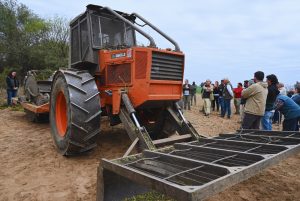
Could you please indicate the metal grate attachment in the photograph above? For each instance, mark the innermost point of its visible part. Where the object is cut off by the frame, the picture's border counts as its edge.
(196, 170)
(239, 146)
(221, 157)
(178, 170)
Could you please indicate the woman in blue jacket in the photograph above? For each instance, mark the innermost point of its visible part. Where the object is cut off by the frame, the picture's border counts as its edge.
(290, 111)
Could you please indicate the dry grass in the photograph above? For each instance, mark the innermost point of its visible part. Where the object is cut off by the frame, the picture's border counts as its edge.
(151, 196)
(3, 100)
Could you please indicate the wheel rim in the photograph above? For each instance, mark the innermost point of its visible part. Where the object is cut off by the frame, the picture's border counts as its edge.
(61, 114)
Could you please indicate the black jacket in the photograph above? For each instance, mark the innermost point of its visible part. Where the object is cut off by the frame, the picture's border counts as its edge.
(221, 90)
(11, 83)
(272, 94)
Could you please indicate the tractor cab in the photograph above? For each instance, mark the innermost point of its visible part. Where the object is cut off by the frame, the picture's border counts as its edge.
(97, 28)
(101, 28)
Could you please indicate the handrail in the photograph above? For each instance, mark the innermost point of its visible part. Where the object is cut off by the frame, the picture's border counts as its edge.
(152, 43)
(177, 49)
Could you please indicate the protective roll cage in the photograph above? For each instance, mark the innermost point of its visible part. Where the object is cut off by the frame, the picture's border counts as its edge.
(130, 21)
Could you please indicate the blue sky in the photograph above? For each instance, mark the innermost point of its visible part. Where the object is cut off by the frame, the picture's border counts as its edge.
(220, 38)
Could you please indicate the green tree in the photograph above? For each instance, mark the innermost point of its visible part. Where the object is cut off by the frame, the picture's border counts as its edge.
(22, 30)
(30, 42)
(56, 42)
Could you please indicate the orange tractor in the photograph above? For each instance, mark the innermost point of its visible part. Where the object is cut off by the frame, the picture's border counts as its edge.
(110, 75)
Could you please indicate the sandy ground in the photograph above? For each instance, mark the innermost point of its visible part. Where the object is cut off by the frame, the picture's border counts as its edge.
(31, 169)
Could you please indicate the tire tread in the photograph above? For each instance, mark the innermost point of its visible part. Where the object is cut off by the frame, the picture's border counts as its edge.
(85, 111)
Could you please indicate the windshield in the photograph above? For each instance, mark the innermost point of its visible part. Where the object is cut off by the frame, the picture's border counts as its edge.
(109, 33)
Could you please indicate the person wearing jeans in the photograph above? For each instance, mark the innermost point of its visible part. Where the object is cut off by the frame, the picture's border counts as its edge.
(227, 108)
(215, 102)
(221, 98)
(227, 95)
(266, 121)
(12, 86)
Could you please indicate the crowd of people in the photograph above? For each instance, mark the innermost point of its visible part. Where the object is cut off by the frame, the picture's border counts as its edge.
(260, 102)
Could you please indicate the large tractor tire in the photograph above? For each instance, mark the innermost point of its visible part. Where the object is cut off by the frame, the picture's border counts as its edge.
(74, 111)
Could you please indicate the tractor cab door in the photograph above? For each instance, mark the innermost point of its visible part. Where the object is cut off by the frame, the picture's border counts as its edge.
(111, 33)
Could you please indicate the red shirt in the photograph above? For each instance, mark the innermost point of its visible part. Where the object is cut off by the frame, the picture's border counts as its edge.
(238, 92)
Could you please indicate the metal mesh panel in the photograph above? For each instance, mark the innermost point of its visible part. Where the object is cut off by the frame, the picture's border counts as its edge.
(75, 45)
(129, 38)
(96, 30)
(118, 74)
(84, 38)
(112, 32)
(140, 65)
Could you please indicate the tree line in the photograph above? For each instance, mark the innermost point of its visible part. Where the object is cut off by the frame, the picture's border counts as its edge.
(28, 41)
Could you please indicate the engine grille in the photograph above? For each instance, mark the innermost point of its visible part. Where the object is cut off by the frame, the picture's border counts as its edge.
(118, 74)
(140, 65)
(166, 66)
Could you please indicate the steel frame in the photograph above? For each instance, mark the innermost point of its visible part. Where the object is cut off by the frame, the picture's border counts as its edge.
(197, 169)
